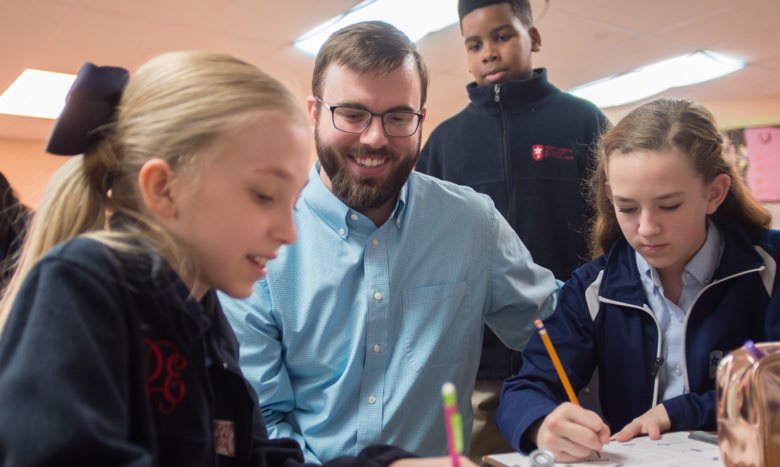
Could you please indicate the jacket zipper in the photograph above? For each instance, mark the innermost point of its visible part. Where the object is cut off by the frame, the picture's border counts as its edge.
(507, 160)
(207, 385)
(686, 386)
(659, 359)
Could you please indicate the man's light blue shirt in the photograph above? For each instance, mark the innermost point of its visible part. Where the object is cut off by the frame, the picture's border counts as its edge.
(670, 316)
(351, 335)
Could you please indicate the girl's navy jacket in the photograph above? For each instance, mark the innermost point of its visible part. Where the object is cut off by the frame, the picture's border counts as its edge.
(107, 360)
(603, 322)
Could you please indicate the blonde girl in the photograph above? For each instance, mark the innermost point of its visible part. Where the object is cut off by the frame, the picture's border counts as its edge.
(115, 350)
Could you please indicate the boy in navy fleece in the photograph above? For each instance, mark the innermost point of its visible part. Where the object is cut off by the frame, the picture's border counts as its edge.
(527, 145)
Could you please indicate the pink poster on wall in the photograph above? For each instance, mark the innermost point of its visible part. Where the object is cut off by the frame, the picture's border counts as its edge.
(763, 171)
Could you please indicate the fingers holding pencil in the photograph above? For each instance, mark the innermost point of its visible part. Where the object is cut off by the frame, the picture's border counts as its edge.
(572, 433)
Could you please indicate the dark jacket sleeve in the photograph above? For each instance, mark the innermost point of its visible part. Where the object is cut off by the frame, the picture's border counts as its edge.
(286, 452)
(692, 411)
(536, 390)
(63, 372)
(429, 161)
(772, 316)
(372, 456)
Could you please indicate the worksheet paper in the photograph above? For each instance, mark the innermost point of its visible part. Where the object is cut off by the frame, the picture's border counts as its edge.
(672, 450)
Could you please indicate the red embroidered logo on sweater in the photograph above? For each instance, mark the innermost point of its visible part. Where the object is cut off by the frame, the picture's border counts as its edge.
(541, 151)
(164, 386)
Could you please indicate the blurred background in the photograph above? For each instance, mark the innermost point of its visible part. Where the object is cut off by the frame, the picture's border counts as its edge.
(582, 41)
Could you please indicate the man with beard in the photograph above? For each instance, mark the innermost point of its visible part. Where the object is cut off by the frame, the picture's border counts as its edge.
(351, 334)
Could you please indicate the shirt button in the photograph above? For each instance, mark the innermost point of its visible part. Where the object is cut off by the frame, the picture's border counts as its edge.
(374, 242)
(225, 365)
(378, 295)
(678, 371)
(354, 216)
(342, 232)
(377, 348)
(398, 222)
(371, 400)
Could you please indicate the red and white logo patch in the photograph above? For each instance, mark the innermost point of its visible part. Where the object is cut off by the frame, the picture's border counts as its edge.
(538, 152)
(542, 151)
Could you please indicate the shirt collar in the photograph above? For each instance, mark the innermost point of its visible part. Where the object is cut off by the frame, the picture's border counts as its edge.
(334, 212)
(701, 267)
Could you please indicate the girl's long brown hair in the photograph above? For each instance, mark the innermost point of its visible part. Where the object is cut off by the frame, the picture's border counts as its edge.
(672, 125)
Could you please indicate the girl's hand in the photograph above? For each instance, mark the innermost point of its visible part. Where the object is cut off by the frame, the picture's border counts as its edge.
(571, 433)
(651, 423)
(432, 462)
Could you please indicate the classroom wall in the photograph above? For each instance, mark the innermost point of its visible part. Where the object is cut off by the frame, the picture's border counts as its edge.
(27, 167)
(774, 208)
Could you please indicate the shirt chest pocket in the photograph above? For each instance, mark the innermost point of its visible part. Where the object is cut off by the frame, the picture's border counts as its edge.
(435, 322)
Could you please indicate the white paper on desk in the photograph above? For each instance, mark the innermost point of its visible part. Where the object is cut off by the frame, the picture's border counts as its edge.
(672, 450)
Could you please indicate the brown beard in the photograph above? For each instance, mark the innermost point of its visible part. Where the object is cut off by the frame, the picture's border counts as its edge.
(364, 193)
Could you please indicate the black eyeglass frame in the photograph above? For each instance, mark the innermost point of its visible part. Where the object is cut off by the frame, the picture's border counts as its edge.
(381, 116)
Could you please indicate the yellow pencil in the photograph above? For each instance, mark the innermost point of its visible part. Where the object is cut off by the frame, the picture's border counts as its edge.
(556, 362)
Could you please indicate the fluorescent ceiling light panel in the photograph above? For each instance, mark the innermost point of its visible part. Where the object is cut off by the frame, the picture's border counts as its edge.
(652, 79)
(36, 93)
(416, 18)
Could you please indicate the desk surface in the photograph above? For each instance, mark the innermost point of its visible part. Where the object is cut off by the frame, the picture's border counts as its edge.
(672, 450)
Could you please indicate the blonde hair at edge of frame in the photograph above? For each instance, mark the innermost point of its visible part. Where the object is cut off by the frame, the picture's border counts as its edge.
(175, 108)
(672, 125)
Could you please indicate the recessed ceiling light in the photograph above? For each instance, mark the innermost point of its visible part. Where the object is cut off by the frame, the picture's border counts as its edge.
(652, 79)
(416, 18)
(36, 93)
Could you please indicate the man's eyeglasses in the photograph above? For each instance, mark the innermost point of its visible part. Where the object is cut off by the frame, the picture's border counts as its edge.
(353, 120)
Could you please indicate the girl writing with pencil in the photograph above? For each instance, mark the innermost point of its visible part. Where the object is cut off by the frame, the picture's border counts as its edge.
(115, 351)
(685, 272)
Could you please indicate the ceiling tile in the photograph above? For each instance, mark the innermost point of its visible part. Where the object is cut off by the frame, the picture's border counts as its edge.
(162, 38)
(26, 26)
(276, 22)
(193, 13)
(110, 39)
(650, 16)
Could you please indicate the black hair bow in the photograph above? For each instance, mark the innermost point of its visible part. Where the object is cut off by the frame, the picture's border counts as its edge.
(90, 104)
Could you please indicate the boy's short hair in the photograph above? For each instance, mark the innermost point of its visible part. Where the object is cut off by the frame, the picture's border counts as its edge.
(521, 8)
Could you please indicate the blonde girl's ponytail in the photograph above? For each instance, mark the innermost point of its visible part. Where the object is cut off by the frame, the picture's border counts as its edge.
(176, 108)
(75, 200)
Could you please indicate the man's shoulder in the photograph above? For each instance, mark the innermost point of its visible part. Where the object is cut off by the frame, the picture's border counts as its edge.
(428, 189)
